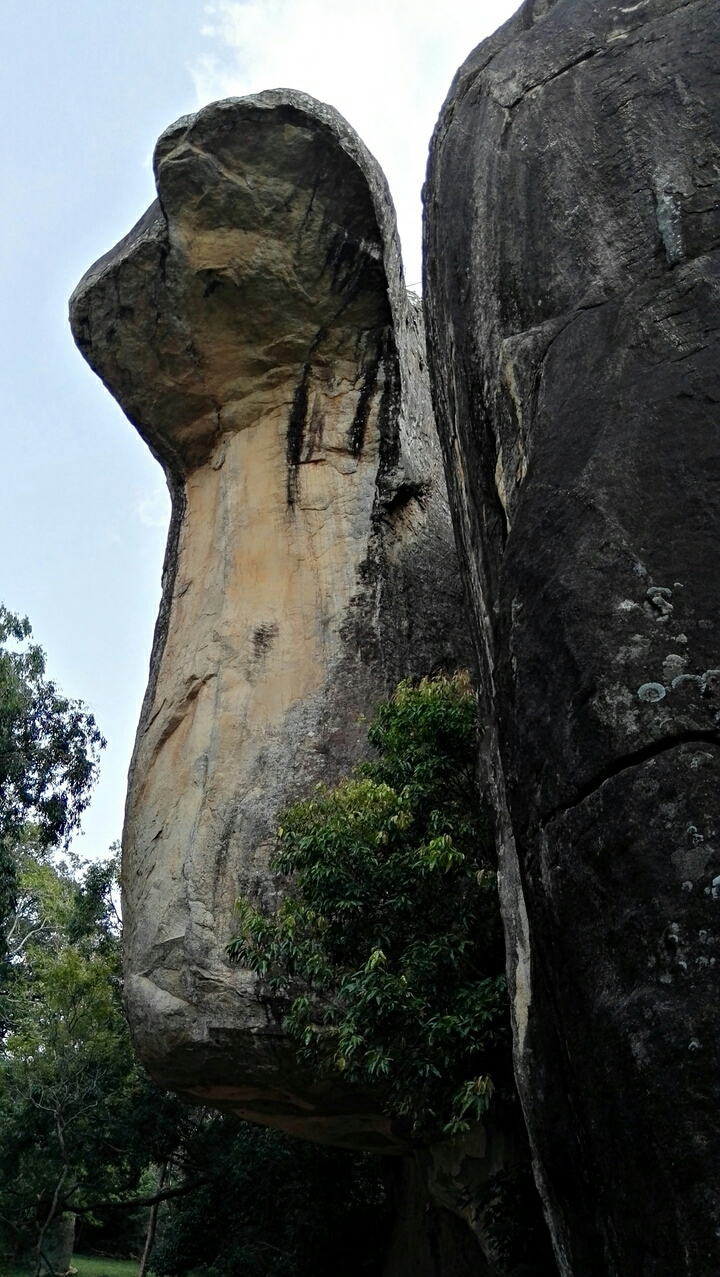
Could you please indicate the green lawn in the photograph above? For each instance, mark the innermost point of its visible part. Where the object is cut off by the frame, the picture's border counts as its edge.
(88, 1266)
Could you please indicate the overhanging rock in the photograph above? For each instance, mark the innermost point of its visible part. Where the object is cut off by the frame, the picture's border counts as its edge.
(256, 329)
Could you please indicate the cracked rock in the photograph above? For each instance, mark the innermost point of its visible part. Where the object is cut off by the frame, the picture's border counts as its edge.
(572, 298)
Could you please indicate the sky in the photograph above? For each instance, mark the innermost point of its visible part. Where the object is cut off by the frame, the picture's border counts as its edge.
(88, 87)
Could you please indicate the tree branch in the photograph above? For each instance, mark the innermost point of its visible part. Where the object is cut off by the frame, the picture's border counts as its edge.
(28, 936)
(136, 1202)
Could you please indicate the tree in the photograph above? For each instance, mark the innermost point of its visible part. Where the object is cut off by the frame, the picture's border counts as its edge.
(275, 1206)
(83, 1129)
(80, 1121)
(70, 1090)
(387, 948)
(387, 953)
(49, 749)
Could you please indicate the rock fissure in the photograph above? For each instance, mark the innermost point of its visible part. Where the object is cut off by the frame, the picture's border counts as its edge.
(627, 761)
(296, 434)
(356, 436)
(542, 83)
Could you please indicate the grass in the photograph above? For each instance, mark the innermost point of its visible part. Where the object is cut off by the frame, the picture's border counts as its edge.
(87, 1266)
(96, 1266)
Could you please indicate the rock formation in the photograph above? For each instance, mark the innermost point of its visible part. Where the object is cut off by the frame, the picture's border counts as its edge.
(256, 329)
(572, 300)
(429, 1240)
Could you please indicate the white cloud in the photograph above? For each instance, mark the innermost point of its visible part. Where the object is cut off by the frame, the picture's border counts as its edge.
(152, 509)
(386, 65)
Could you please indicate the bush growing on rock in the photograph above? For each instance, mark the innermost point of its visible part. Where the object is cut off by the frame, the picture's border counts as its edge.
(387, 950)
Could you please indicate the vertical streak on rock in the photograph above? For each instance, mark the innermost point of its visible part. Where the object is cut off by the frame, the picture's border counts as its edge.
(296, 434)
(356, 435)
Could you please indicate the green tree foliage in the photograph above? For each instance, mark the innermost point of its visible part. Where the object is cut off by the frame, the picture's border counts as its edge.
(275, 1206)
(72, 1097)
(83, 1129)
(49, 749)
(388, 945)
(79, 1119)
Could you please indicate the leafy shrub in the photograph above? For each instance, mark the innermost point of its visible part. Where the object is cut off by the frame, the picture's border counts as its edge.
(80, 1121)
(387, 948)
(49, 751)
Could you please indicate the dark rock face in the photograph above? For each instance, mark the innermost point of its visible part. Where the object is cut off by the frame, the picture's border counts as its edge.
(573, 304)
(428, 1239)
(256, 329)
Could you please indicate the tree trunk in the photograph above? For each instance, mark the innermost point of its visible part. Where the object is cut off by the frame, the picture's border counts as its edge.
(42, 1260)
(56, 1248)
(152, 1226)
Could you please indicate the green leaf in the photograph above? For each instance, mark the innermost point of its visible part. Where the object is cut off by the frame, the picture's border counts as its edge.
(390, 918)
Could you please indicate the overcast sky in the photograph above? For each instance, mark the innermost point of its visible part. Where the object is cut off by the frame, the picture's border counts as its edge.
(89, 85)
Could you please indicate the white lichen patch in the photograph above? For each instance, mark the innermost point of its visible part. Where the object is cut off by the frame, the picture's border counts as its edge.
(616, 706)
(637, 649)
(673, 665)
(651, 692)
(690, 862)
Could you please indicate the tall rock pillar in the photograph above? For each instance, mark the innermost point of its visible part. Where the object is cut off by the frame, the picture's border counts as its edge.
(256, 329)
(572, 300)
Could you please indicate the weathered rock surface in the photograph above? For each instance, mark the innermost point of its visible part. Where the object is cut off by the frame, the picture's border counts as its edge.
(429, 1240)
(256, 329)
(573, 303)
